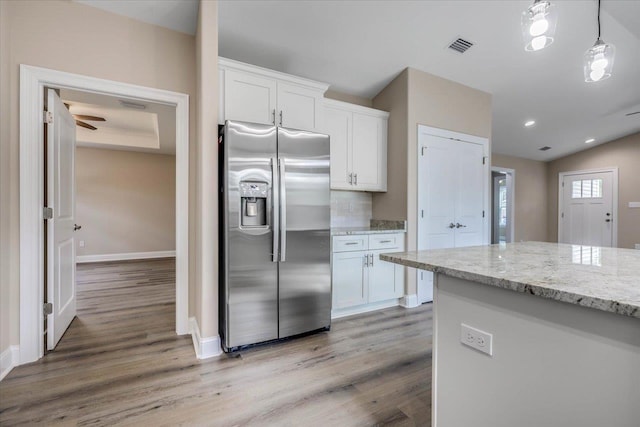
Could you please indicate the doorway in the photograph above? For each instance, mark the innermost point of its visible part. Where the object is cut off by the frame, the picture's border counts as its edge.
(587, 207)
(453, 196)
(502, 203)
(33, 81)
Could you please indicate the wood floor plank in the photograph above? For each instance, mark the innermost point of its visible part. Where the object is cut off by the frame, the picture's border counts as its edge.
(120, 363)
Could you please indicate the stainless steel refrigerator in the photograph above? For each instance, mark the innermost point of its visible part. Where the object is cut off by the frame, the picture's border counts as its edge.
(275, 279)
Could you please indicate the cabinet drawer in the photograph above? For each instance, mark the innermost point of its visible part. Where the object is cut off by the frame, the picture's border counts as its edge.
(386, 241)
(350, 243)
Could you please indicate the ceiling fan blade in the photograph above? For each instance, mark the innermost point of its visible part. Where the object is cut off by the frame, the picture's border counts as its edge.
(66, 105)
(85, 125)
(90, 118)
(631, 114)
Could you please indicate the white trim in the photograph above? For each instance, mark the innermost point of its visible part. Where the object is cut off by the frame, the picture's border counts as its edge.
(8, 360)
(124, 256)
(204, 347)
(410, 301)
(511, 190)
(614, 202)
(226, 63)
(365, 308)
(32, 83)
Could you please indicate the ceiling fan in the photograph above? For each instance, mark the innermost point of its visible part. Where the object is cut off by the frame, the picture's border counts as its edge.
(80, 117)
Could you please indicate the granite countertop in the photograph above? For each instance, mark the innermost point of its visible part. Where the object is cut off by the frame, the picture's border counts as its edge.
(606, 279)
(376, 226)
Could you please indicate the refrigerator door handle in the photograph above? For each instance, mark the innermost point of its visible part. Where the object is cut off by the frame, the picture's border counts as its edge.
(275, 209)
(283, 211)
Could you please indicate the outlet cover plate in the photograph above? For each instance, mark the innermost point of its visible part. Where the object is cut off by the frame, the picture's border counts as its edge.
(476, 339)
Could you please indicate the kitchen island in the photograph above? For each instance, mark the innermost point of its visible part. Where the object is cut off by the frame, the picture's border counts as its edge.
(534, 334)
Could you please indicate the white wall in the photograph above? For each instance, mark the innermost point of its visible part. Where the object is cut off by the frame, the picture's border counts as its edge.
(554, 364)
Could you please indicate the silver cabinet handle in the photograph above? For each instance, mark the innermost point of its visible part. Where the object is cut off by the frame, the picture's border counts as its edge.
(371, 260)
(458, 225)
(366, 260)
(280, 117)
(275, 205)
(355, 179)
(351, 243)
(385, 241)
(274, 116)
(283, 210)
(452, 225)
(351, 179)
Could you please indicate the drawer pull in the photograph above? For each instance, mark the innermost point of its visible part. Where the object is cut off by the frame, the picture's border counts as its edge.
(385, 241)
(351, 243)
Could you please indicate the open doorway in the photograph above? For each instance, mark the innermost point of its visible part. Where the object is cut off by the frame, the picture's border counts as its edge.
(502, 196)
(33, 84)
(123, 209)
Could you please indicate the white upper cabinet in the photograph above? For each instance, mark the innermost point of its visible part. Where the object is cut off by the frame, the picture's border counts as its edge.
(254, 94)
(358, 146)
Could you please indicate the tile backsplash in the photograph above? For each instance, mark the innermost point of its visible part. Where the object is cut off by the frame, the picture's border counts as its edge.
(350, 209)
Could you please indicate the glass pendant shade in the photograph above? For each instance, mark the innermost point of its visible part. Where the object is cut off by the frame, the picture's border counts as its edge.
(538, 25)
(598, 62)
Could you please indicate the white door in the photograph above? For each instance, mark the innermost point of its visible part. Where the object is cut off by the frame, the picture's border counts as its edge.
(587, 214)
(366, 151)
(61, 253)
(452, 192)
(298, 107)
(337, 124)
(249, 98)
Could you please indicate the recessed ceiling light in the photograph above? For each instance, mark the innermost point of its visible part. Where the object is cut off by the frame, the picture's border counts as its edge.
(529, 123)
(589, 141)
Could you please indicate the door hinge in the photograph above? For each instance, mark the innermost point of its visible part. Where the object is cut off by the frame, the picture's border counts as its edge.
(482, 214)
(47, 308)
(562, 215)
(422, 213)
(422, 151)
(48, 117)
(563, 183)
(47, 213)
(484, 159)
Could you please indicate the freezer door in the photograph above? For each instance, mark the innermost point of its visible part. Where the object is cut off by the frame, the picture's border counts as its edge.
(304, 270)
(251, 311)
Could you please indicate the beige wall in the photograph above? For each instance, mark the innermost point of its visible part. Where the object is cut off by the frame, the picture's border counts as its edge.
(623, 153)
(394, 98)
(418, 98)
(206, 309)
(345, 97)
(530, 196)
(73, 37)
(125, 201)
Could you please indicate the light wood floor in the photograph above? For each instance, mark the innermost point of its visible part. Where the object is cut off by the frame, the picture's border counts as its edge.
(120, 362)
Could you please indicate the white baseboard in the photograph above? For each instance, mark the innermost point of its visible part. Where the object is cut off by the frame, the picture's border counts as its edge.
(8, 360)
(410, 301)
(359, 309)
(204, 347)
(125, 256)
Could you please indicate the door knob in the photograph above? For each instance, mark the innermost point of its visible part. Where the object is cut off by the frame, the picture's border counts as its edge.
(458, 225)
(76, 227)
(452, 225)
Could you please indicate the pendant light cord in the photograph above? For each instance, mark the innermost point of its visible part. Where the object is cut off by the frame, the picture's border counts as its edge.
(598, 19)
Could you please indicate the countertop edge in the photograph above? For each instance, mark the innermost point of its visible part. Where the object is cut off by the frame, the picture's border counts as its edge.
(360, 232)
(610, 306)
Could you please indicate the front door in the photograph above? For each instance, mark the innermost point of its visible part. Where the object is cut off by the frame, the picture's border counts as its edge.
(587, 214)
(61, 253)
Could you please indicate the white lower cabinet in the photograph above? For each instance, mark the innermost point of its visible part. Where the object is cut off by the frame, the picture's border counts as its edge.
(361, 281)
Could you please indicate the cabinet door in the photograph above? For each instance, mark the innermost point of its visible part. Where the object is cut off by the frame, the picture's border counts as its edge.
(298, 107)
(337, 124)
(349, 279)
(382, 279)
(368, 152)
(249, 97)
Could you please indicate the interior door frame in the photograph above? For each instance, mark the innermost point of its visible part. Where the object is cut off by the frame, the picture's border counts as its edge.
(33, 81)
(457, 136)
(511, 196)
(614, 202)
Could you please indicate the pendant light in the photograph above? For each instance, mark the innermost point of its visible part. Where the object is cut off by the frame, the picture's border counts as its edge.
(539, 25)
(598, 61)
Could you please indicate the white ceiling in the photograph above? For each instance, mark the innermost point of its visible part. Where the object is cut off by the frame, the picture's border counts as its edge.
(152, 130)
(360, 46)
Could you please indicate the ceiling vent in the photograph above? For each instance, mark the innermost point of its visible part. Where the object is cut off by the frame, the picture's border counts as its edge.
(460, 45)
(545, 148)
(131, 104)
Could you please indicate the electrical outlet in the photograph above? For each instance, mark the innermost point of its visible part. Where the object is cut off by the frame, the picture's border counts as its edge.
(475, 338)
(81, 244)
